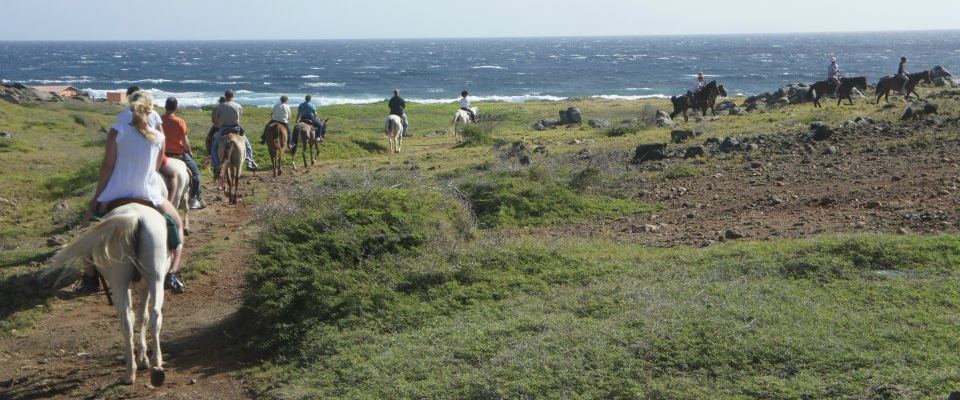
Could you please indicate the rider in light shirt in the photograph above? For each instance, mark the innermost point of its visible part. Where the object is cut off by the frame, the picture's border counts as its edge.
(833, 75)
(465, 105)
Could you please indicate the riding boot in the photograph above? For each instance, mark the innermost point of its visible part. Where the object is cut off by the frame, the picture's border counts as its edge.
(88, 284)
(174, 283)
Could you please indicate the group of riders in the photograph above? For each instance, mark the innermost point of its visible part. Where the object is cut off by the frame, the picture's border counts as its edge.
(834, 78)
(136, 169)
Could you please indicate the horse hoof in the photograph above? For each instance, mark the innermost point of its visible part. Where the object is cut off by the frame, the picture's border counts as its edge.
(157, 377)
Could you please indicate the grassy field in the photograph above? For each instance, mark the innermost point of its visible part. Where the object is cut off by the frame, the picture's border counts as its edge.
(417, 275)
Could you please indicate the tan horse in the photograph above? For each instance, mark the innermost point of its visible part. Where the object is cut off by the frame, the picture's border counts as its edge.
(310, 140)
(276, 136)
(179, 193)
(232, 153)
(890, 83)
(129, 240)
(394, 132)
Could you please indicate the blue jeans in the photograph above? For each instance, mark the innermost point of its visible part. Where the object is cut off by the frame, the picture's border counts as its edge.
(194, 173)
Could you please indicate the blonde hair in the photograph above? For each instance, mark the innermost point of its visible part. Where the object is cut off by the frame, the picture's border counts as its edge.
(141, 105)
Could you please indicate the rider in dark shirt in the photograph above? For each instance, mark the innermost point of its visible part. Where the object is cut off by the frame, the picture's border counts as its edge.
(398, 107)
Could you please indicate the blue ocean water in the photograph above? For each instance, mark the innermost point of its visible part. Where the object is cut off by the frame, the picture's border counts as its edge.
(364, 71)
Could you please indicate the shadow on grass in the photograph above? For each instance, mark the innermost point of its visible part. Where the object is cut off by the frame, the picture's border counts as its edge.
(370, 146)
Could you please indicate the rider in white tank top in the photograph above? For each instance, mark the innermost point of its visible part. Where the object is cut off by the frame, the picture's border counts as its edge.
(135, 173)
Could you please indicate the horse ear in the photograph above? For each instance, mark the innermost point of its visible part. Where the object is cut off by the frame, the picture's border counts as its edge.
(325, 121)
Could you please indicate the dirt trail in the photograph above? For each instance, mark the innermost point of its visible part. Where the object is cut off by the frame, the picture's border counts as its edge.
(74, 350)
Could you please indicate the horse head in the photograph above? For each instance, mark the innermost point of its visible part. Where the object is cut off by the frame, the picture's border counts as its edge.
(723, 91)
(322, 132)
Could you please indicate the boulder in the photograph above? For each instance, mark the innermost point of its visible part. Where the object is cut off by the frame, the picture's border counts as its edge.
(6, 135)
(545, 124)
(599, 123)
(682, 136)
(735, 111)
(695, 152)
(571, 116)
(729, 144)
(907, 114)
(664, 120)
(942, 77)
(726, 105)
(931, 109)
(538, 126)
(822, 132)
(574, 116)
(712, 141)
(650, 152)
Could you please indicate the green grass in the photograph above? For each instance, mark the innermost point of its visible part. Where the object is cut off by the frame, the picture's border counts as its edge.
(534, 197)
(355, 302)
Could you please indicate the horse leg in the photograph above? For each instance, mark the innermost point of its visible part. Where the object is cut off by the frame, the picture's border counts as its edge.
(315, 153)
(140, 351)
(121, 300)
(157, 376)
(399, 141)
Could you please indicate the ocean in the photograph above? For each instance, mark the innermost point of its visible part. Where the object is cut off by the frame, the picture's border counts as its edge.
(436, 70)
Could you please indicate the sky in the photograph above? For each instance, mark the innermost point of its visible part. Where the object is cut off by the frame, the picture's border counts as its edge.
(358, 19)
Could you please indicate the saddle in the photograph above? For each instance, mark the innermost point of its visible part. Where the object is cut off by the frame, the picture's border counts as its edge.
(173, 235)
(238, 130)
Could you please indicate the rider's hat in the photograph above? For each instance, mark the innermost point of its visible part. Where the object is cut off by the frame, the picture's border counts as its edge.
(834, 59)
(903, 59)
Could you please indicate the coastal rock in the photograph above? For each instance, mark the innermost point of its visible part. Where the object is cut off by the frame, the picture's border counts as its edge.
(695, 152)
(571, 116)
(682, 136)
(664, 120)
(942, 77)
(726, 105)
(6, 135)
(908, 114)
(729, 144)
(17, 93)
(650, 152)
(735, 111)
(598, 123)
(538, 126)
(821, 131)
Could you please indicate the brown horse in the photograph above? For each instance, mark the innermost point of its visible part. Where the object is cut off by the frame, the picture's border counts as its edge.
(276, 136)
(889, 83)
(820, 89)
(310, 140)
(705, 99)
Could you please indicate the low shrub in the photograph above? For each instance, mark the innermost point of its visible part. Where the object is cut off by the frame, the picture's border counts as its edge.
(534, 197)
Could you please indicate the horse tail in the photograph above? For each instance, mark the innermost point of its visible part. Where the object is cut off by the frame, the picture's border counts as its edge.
(109, 241)
(226, 161)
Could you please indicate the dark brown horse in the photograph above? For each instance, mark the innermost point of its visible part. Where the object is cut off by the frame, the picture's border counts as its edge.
(820, 89)
(703, 100)
(889, 83)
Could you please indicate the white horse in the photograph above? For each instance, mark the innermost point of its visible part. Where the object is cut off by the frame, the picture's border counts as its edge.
(181, 197)
(394, 132)
(462, 118)
(129, 240)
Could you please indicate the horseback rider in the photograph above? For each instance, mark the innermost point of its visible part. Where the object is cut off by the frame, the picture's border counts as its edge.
(465, 105)
(227, 115)
(398, 107)
(833, 75)
(178, 146)
(129, 173)
(307, 112)
(691, 94)
(902, 73)
(281, 113)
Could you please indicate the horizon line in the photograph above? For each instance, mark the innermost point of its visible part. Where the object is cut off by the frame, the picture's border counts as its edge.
(496, 37)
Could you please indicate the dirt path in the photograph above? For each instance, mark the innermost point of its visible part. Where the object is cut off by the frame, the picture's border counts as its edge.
(74, 350)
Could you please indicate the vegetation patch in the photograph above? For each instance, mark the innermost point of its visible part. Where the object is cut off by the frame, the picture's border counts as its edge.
(534, 197)
(76, 183)
(480, 134)
(595, 319)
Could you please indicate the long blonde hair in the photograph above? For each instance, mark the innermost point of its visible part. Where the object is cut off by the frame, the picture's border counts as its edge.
(141, 105)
